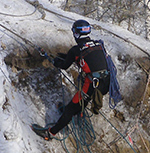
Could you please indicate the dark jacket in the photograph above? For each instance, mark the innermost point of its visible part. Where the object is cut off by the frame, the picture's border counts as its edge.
(94, 60)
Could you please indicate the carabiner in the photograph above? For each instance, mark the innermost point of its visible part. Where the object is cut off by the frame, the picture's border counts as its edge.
(82, 63)
(95, 82)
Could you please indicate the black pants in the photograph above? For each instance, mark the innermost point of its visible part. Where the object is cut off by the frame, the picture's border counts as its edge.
(74, 107)
(70, 110)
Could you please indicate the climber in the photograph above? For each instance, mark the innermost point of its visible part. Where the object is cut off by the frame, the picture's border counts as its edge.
(89, 57)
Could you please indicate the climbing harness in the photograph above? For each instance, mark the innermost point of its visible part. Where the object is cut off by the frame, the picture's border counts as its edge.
(95, 82)
(83, 132)
(95, 76)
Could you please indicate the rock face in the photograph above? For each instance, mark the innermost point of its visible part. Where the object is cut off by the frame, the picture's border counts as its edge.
(123, 118)
(31, 87)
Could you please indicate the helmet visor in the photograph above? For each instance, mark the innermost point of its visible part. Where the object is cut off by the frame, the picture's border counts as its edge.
(84, 29)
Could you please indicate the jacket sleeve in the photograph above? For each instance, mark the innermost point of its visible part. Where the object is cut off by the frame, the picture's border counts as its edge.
(66, 63)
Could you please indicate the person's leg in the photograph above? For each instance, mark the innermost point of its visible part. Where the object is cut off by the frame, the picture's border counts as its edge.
(70, 110)
(73, 107)
(87, 89)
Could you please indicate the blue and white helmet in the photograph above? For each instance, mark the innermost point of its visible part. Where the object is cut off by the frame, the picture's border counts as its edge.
(81, 27)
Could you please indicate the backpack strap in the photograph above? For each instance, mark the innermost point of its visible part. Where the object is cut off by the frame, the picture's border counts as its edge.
(88, 47)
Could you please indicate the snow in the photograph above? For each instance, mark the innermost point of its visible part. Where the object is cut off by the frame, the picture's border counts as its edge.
(17, 109)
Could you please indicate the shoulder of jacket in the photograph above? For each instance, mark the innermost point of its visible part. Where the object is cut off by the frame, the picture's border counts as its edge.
(74, 50)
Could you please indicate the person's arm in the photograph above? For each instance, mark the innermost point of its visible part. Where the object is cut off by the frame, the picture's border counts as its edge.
(65, 63)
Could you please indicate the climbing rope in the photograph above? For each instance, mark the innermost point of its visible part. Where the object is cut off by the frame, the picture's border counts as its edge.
(21, 44)
(117, 131)
(79, 140)
(93, 25)
(80, 129)
(139, 114)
